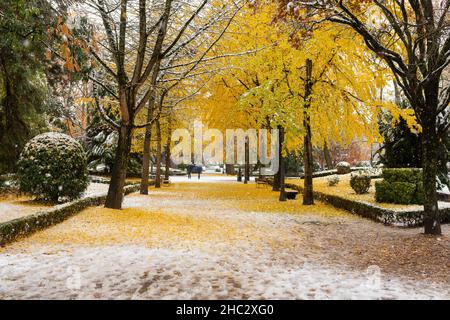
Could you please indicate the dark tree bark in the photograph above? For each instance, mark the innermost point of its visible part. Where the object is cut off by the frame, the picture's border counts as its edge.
(276, 181)
(431, 217)
(168, 152)
(277, 177)
(430, 140)
(127, 87)
(158, 154)
(282, 166)
(308, 196)
(147, 145)
(247, 162)
(115, 192)
(327, 156)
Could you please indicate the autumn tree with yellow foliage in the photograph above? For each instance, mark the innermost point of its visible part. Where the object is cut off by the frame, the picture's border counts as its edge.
(412, 39)
(320, 87)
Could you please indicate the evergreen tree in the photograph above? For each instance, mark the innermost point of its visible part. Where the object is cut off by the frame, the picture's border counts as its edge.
(403, 149)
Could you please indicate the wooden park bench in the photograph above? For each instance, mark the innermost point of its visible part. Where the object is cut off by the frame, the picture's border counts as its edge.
(261, 181)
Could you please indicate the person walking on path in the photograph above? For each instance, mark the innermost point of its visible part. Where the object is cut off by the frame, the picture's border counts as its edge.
(189, 171)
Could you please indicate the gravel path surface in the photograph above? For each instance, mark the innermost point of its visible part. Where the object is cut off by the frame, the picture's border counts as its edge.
(224, 240)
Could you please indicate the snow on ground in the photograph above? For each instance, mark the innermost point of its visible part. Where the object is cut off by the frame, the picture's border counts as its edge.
(134, 272)
(224, 240)
(14, 207)
(96, 188)
(445, 190)
(204, 178)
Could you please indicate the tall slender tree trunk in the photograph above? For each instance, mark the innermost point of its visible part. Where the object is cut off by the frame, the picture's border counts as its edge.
(168, 151)
(158, 153)
(327, 156)
(429, 160)
(282, 166)
(277, 178)
(147, 144)
(115, 195)
(247, 161)
(308, 196)
(431, 214)
(276, 181)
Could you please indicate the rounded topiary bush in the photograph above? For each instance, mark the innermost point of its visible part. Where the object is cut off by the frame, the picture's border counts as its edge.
(333, 180)
(343, 168)
(360, 182)
(53, 165)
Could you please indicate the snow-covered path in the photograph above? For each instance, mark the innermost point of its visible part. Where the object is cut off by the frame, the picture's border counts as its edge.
(228, 241)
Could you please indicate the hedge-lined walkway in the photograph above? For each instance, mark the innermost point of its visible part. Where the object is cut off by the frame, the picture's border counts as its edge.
(344, 197)
(224, 240)
(343, 189)
(17, 206)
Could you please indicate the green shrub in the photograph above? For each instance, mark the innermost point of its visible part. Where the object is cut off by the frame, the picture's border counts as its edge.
(402, 175)
(383, 192)
(343, 168)
(333, 180)
(396, 192)
(360, 182)
(400, 186)
(419, 196)
(134, 169)
(53, 165)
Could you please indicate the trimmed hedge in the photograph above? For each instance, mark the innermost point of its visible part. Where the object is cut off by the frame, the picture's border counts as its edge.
(327, 173)
(400, 186)
(402, 175)
(388, 217)
(396, 192)
(365, 210)
(14, 229)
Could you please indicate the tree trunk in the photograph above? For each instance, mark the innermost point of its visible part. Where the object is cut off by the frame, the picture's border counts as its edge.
(247, 162)
(429, 163)
(158, 154)
(327, 156)
(308, 196)
(147, 144)
(282, 166)
(229, 169)
(168, 153)
(276, 181)
(114, 198)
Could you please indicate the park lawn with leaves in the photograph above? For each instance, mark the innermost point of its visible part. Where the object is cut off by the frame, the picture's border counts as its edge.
(248, 198)
(344, 190)
(14, 205)
(225, 240)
